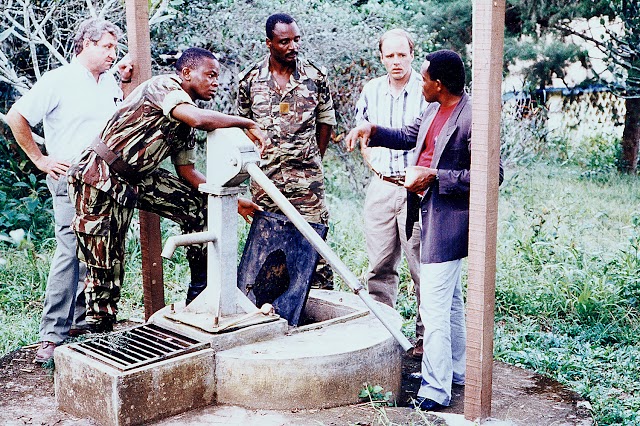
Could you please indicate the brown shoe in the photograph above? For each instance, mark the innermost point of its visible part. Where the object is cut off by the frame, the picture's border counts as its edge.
(45, 352)
(418, 350)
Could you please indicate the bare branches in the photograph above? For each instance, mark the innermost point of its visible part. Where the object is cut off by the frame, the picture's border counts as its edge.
(25, 23)
(91, 9)
(39, 38)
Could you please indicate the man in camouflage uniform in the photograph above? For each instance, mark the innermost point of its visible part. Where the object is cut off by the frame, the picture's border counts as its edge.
(290, 100)
(119, 172)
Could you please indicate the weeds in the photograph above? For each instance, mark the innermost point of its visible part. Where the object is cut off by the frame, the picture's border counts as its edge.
(376, 396)
(379, 401)
(24, 198)
(567, 285)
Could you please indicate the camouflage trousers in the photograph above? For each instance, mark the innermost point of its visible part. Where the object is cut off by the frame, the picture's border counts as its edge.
(305, 190)
(101, 225)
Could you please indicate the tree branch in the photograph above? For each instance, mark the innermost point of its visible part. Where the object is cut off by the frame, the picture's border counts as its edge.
(44, 41)
(92, 10)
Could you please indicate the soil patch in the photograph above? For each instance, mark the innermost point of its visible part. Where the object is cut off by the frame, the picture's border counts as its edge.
(519, 396)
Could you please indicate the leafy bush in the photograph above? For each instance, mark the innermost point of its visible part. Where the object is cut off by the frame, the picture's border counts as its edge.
(25, 201)
(600, 156)
(526, 139)
(523, 132)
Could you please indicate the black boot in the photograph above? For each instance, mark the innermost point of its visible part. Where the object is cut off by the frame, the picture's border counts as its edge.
(198, 265)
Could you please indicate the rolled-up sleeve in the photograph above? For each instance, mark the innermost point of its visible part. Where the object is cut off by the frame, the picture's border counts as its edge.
(325, 113)
(173, 99)
(184, 158)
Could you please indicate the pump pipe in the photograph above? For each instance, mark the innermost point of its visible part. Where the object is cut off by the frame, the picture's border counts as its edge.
(185, 240)
(323, 248)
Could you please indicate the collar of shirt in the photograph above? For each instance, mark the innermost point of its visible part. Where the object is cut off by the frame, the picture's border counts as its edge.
(414, 78)
(299, 75)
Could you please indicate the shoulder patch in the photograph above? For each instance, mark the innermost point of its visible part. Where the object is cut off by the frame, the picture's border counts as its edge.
(245, 72)
(320, 70)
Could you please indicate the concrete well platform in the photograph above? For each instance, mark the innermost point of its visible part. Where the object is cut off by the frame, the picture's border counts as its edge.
(320, 365)
(265, 366)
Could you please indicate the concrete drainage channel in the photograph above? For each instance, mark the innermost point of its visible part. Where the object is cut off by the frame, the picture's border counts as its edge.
(165, 368)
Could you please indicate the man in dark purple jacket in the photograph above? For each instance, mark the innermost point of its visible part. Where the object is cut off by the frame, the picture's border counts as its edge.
(440, 177)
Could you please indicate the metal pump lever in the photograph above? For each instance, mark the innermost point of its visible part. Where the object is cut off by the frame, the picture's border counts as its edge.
(323, 248)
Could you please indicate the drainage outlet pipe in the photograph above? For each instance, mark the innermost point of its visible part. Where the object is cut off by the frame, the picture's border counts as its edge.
(186, 240)
(323, 248)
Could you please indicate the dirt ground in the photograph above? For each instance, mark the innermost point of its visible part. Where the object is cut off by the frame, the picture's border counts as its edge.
(520, 397)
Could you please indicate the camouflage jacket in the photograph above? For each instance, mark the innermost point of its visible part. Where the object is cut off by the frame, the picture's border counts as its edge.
(143, 133)
(288, 116)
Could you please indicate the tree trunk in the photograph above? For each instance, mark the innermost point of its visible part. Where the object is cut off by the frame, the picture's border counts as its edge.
(631, 136)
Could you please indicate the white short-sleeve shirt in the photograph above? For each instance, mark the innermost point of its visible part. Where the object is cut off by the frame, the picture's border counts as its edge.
(73, 107)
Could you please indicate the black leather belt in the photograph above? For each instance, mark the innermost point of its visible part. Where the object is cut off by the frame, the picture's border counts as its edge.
(116, 164)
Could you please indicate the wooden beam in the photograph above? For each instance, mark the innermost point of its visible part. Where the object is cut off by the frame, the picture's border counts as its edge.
(488, 45)
(150, 241)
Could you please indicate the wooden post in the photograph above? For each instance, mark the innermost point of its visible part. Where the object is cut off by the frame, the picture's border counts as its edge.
(488, 45)
(150, 241)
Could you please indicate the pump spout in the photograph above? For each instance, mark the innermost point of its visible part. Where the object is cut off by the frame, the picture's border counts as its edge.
(185, 240)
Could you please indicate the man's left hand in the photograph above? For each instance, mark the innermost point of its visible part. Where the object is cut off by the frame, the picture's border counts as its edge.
(125, 68)
(247, 208)
(418, 178)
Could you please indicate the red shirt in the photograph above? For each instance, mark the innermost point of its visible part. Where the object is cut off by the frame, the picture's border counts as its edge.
(437, 124)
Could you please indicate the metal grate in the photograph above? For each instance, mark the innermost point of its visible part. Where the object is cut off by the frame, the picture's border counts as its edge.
(138, 346)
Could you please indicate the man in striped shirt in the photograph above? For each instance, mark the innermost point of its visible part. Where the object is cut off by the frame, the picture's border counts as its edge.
(393, 100)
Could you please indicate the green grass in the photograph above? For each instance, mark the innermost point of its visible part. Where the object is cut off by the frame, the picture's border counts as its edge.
(568, 284)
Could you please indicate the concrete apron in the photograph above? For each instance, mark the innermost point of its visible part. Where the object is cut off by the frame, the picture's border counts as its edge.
(263, 366)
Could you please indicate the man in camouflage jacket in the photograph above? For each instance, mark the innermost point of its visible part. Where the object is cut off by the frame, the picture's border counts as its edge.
(290, 100)
(119, 172)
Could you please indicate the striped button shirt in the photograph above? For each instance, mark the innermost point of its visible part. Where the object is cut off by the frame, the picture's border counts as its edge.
(378, 106)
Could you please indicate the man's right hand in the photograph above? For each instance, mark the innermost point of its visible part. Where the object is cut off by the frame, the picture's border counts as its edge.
(51, 166)
(22, 132)
(418, 178)
(359, 136)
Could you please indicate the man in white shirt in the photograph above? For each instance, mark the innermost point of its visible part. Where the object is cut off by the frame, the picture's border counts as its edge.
(393, 100)
(74, 103)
